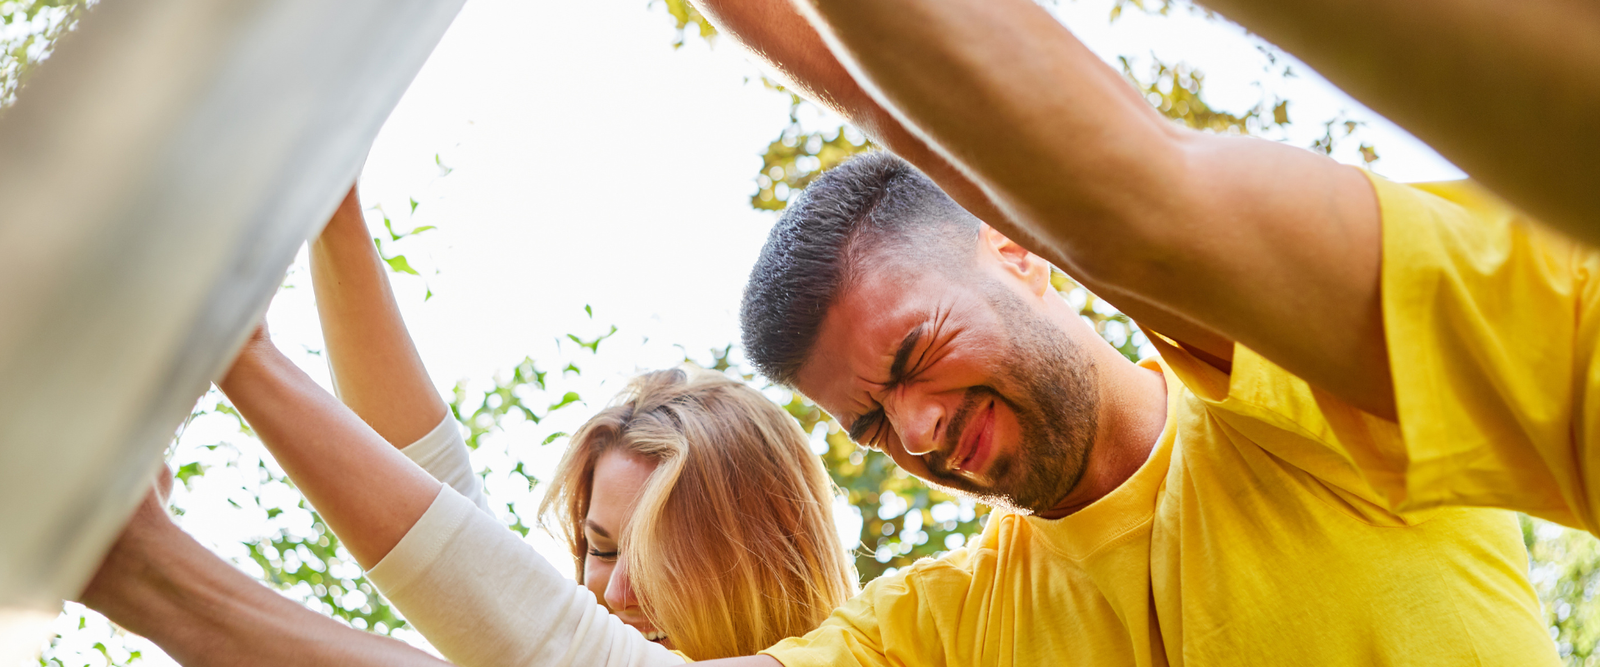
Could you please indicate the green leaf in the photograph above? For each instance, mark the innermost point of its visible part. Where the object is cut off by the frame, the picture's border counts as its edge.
(570, 398)
(188, 470)
(398, 264)
(413, 204)
(553, 436)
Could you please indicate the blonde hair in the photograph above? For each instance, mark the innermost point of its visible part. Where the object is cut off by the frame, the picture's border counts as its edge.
(732, 545)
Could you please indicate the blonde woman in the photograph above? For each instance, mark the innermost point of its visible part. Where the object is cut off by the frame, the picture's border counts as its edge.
(696, 513)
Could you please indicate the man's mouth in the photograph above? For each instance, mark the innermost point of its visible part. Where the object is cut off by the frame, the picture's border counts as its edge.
(972, 454)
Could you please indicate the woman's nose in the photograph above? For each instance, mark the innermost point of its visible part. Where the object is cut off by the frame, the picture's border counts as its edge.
(619, 591)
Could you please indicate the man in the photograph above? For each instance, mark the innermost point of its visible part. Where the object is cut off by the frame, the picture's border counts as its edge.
(1456, 315)
(1168, 512)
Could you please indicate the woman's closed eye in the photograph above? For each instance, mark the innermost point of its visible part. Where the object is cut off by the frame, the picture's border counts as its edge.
(602, 555)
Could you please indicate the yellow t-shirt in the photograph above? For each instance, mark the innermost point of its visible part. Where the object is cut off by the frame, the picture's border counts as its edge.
(1251, 536)
(1492, 324)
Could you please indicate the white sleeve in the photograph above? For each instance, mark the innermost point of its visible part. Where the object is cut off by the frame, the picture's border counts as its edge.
(444, 454)
(484, 598)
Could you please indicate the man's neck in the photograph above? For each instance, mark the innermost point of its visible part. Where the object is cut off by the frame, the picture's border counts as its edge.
(1132, 413)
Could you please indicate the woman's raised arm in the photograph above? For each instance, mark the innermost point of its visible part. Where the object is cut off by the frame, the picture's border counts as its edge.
(376, 368)
(369, 493)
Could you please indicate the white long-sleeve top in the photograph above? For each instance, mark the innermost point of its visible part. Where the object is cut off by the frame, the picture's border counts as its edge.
(482, 596)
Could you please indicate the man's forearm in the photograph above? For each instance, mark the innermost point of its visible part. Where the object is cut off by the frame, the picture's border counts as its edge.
(1022, 108)
(163, 585)
(1271, 246)
(1506, 90)
(775, 32)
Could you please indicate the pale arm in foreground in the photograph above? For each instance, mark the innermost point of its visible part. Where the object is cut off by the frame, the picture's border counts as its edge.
(160, 583)
(1269, 245)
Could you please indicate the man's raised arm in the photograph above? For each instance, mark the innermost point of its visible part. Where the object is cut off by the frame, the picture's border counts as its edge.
(1506, 90)
(1269, 245)
(792, 49)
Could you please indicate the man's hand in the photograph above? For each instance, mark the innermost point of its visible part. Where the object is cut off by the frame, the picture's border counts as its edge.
(150, 527)
(160, 583)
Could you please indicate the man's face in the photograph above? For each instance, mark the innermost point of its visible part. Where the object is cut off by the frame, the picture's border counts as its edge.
(962, 377)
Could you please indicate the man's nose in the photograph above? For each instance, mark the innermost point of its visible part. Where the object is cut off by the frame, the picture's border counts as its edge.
(619, 590)
(917, 417)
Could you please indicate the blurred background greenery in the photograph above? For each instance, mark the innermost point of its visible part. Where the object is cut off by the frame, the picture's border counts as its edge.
(901, 519)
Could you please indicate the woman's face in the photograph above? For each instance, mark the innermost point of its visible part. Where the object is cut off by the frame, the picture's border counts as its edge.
(618, 479)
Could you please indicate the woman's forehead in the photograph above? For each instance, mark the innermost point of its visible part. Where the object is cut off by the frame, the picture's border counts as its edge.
(619, 477)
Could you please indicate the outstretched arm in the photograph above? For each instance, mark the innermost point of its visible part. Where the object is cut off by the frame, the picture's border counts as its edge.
(160, 583)
(793, 50)
(369, 493)
(1506, 90)
(1269, 245)
(376, 368)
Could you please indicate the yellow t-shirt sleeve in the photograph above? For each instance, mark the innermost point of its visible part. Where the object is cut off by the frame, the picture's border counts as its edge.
(1491, 328)
(1358, 457)
(1490, 322)
(912, 617)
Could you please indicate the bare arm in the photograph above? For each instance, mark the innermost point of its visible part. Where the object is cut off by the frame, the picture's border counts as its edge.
(1266, 244)
(376, 368)
(775, 32)
(160, 583)
(1506, 90)
(369, 493)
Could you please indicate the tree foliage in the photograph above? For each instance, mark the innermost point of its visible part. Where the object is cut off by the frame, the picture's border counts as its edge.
(28, 32)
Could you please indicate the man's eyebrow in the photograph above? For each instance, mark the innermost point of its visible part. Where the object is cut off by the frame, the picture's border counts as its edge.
(858, 428)
(597, 529)
(897, 370)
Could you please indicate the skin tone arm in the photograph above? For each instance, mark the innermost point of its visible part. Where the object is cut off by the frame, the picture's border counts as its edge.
(160, 583)
(792, 49)
(376, 368)
(1506, 90)
(1269, 245)
(369, 493)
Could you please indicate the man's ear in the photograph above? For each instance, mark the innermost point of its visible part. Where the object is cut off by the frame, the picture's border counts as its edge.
(1015, 260)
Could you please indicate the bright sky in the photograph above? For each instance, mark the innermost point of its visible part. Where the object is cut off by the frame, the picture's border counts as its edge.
(595, 165)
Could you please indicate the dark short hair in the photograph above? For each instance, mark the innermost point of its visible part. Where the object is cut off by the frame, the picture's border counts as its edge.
(868, 205)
